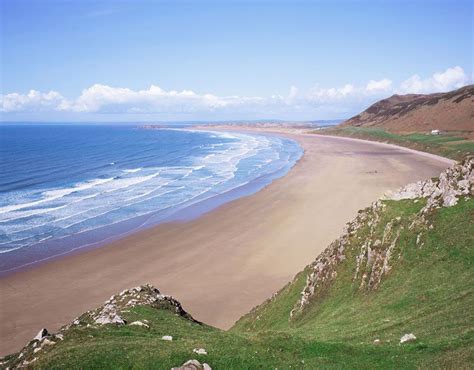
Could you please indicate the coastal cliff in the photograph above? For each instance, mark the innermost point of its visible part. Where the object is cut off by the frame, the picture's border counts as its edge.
(394, 290)
(375, 240)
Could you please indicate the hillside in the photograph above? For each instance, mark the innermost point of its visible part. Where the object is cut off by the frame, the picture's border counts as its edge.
(451, 111)
(395, 290)
(407, 120)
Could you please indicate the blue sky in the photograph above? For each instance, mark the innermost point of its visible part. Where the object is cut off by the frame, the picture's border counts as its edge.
(200, 60)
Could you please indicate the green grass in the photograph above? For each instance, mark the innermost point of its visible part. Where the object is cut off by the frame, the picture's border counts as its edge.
(122, 347)
(452, 145)
(429, 292)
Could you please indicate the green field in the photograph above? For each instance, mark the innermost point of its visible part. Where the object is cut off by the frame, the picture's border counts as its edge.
(428, 292)
(452, 145)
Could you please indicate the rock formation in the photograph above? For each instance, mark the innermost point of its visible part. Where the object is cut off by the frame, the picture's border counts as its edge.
(374, 255)
(108, 314)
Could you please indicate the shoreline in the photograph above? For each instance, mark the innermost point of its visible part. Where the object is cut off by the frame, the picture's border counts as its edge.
(228, 260)
(190, 212)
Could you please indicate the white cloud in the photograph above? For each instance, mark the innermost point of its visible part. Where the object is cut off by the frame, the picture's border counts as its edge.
(349, 91)
(378, 86)
(333, 93)
(452, 78)
(103, 98)
(107, 99)
(32, 101)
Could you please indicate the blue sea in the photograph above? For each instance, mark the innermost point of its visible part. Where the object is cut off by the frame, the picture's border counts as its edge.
(67, 187)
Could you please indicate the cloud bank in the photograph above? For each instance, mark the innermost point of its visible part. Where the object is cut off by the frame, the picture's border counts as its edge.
(106, 99)
(452, 78)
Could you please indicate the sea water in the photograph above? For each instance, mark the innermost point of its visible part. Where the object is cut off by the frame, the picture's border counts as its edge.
(66, 187)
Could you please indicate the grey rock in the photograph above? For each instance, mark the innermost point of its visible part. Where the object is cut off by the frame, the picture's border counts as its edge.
(43, 333)
(193, 365)
(110, 319)
(139, 323)
(407, 338)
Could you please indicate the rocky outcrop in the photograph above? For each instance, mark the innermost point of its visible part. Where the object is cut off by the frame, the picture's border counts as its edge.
(375, 250)
(111, 313)
(373, 261)
(193, 365)
(146, 295)
(323, 270)
(445, 191)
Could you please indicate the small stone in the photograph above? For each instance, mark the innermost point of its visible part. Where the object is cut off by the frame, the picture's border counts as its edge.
(377, 341)
(167, 337)
(200, 351)
(139, 323)
(407, 338)
(41, 334)
(47, 342)
(193, 365)
(25, 363)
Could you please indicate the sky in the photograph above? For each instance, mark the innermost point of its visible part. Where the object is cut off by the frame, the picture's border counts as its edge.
(225, 60)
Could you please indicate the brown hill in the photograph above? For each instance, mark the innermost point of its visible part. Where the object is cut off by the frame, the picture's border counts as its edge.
(451, 111)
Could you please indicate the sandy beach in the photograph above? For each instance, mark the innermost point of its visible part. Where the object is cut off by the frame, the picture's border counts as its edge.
(227, 261)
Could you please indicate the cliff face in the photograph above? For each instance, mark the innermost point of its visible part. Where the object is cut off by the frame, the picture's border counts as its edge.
(452, 111)
(371, 241)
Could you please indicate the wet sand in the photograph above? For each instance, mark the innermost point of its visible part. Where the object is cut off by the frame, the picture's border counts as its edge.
(227, 261)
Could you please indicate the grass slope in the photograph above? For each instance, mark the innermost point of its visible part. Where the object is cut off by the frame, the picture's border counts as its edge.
(428, 292)
(453, 145)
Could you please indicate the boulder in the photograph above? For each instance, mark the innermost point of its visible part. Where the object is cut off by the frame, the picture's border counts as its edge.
(41, 334)
(167, 337)
(193, 365)
(115, 319)
(407, 338)
(200, 351)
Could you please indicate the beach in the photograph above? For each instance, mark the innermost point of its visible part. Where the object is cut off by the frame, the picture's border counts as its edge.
(225, 262)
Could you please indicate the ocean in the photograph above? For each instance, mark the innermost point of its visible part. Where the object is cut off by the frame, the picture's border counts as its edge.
(68, 187)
